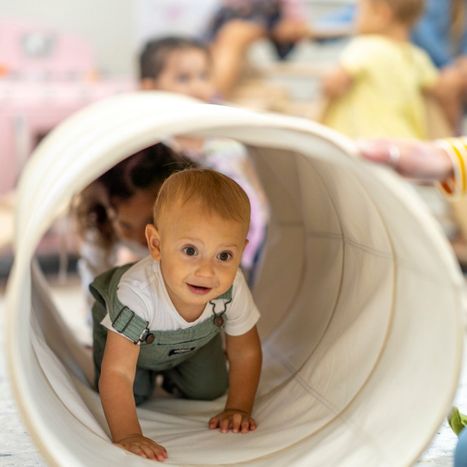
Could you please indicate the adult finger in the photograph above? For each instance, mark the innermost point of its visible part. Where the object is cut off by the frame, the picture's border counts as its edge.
(375, 150)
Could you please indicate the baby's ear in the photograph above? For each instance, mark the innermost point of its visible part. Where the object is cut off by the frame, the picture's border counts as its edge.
(153, 240)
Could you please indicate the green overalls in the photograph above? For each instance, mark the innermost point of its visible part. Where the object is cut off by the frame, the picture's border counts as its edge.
(191, 359)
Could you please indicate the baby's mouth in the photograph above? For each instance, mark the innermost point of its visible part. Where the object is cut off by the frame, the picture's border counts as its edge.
(199, 289)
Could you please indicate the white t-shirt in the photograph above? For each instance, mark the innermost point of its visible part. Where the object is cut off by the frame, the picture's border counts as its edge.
(142, 290)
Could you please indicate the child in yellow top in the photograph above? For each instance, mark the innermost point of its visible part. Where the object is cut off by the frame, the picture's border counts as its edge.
(163, 314)
(378, 88)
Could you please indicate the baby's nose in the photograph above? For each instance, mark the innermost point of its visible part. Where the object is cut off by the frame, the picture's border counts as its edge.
(205, 269)
(202, 91)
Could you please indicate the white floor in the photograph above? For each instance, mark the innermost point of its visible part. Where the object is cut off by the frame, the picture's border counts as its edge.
(17, 448)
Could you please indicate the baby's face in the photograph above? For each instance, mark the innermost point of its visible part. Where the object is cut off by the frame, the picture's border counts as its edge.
(199, 255)
(187, 72)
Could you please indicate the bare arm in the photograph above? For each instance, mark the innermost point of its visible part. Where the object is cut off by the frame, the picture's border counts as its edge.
(116, 392)
(336, 83)
(447, 92)
(245, 357)
(447, 84)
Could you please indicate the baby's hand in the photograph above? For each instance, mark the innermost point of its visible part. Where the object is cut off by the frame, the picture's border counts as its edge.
(234, 420)
(144, 447)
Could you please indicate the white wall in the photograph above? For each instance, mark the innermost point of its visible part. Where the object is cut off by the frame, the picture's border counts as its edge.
(116, 28)
(109, 25)
(163, 17)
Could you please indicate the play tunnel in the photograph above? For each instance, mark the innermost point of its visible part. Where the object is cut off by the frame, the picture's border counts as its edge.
(360, 295)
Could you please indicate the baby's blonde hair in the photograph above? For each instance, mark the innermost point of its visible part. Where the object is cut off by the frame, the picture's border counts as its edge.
(214, 191)
(405, 11)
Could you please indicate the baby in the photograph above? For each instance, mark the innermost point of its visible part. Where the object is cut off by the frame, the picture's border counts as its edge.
(164, 314)
(183, 65)
(382, 81)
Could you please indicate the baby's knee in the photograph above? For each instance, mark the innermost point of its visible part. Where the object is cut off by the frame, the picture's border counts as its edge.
(209, 390)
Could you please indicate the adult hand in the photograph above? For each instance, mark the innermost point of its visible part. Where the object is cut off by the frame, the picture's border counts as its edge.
(425, 161)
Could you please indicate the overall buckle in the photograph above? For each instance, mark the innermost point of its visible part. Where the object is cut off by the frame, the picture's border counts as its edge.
(122, 330)
(146, 336)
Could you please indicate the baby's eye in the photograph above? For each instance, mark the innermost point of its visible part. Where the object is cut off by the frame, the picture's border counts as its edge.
(190, 251)
(224, 256)
(183, 78)
(124, 226)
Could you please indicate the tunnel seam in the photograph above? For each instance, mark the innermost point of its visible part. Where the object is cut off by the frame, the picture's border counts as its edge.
(337, 413)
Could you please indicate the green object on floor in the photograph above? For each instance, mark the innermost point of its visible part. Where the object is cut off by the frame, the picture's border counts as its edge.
(457, 421)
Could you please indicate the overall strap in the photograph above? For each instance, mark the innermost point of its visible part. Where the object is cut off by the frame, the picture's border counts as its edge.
(124, 320)
(223, 300)
(128, 323)
(131, 325)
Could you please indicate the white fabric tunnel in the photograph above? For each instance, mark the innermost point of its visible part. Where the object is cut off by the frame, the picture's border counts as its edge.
(360, 296)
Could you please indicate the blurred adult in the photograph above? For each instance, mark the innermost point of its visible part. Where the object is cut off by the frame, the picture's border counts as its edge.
(240, 23)
(442, 33)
